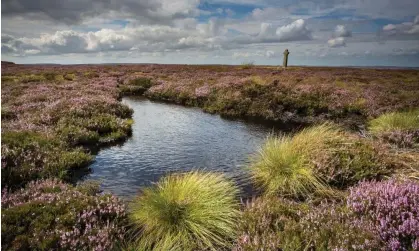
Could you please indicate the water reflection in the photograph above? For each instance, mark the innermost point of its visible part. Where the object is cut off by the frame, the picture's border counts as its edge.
(169, 138)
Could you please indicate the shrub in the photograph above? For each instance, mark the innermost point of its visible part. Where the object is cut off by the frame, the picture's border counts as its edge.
(76, 135)
(28, 156)
(264, 223)
(390, 209)
(330, 226)
(188, 211)
(398, 128)
(406, 139)
(352, 160)
(270, 223)
(304, 163)
(51, 215)
(98, 128)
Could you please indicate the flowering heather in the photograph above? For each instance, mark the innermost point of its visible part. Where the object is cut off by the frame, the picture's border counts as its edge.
(49, 113)
(390, 209)
(280, 224)
(51, 215)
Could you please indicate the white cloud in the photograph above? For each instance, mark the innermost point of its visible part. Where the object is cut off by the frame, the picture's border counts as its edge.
(336, 42)
(342, 31)
(294, 31)
(270, 54)
(406, 28)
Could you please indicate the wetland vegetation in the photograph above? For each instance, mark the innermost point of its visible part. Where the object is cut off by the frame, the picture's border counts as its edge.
(356, 161)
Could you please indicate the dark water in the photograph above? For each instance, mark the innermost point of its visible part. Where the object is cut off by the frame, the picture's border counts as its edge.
(170, 138)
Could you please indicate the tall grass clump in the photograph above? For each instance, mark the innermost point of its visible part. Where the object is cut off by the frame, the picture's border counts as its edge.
(191, 211)
(398, 128)
(394, 121)
(315, 158)
(284, 165)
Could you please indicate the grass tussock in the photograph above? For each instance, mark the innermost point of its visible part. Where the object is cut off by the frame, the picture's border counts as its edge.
(395, 121)
(316, 158)
(192, 211)
(284, 166)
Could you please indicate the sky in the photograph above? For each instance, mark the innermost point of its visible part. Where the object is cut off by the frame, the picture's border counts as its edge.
(319, 32)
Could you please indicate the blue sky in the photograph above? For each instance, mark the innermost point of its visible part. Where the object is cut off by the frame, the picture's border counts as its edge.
(321, 32)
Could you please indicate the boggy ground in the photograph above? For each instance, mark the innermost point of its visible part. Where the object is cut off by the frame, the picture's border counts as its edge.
(53, 115)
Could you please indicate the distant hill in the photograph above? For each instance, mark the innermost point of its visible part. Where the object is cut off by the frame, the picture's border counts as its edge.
(6, 62)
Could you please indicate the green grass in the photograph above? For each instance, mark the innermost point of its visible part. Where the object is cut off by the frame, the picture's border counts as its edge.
(191, 211)
(395, 121)
(284, 164)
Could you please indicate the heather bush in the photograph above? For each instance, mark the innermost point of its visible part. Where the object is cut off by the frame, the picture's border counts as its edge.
(354, 159)
(142, 82)
(191, 211)
(99, 128)
(278, 224)
(330, 226)
(397, 128)
(313, 158)
(390, 209)
(28, 156)
(51, 215)
(135, 85)
(265, 222)
(404, 139)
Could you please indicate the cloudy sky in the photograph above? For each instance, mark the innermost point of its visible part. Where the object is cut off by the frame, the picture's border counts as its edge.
(318, 32)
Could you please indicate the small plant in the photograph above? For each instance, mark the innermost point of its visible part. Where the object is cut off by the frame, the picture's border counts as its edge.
(190, 211)
(390, 209)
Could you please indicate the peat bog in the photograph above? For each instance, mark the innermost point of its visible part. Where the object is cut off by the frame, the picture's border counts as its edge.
(356, 160)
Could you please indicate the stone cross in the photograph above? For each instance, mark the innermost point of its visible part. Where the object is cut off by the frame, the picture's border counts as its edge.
(286, 52)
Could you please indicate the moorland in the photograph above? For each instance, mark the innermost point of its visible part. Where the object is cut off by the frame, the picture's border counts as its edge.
(355, 161)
